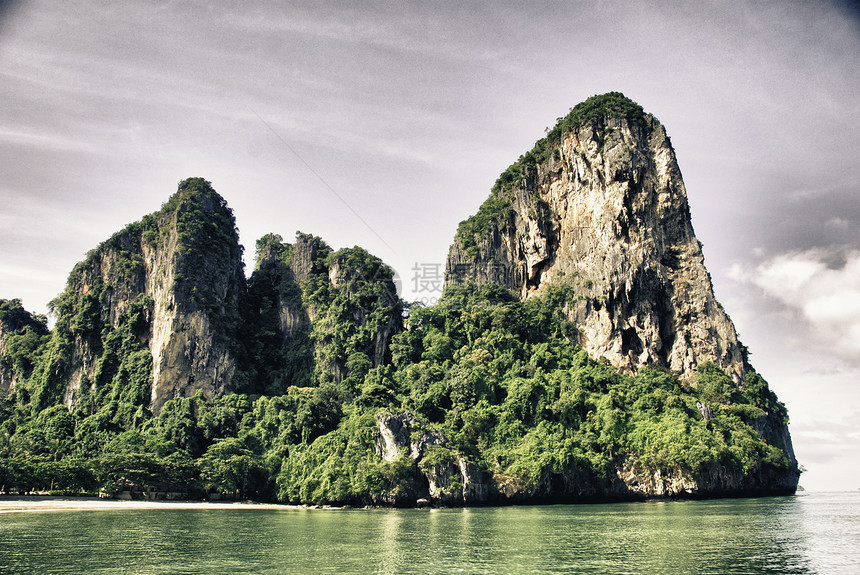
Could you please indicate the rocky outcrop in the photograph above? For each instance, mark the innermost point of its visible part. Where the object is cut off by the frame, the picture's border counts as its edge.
(364, 280)
(281, 268)
(178, 277)
(600, 206)
(186, 262)
(195, 277)
(447, 478)
(401, 434)
(336, 312)
(7, 378)
(8, 326)
(712, 480)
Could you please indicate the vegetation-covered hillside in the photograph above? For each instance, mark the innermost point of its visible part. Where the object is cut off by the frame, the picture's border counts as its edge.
(500, 379)
(169, 373)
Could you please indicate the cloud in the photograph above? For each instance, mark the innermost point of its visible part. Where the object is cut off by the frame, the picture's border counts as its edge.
(49, 141)
(825, 440)
(822, 288)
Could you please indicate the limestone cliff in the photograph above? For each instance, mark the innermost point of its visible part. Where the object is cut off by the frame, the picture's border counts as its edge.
(600, 205)
(182, 266)
(317, 315)
(302, 385)
(162, 309)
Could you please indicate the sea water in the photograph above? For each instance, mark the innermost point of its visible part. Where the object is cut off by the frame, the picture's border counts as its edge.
(807, 533)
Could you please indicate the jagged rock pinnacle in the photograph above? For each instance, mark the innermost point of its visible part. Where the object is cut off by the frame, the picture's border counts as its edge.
(600, 205)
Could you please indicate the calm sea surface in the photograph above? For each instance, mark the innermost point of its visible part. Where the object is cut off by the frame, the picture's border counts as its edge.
(811, 533)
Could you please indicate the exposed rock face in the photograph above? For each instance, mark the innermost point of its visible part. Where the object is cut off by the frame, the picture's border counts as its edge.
(350, 271)
(173, 286)
(714, 480)
(336, 311)
(186, 262)
(600, 205)
(7, 378)
(448, 478)
(284, 268)
(396, 436)
(7, 373)
(195, 279)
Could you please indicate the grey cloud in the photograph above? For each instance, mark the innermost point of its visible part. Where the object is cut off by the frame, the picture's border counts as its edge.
(822, 288)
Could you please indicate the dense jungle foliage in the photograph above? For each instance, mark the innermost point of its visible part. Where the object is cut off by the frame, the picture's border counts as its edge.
(322, 346)
(502, 379)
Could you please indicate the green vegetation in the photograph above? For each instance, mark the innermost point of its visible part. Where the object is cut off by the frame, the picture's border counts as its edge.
(506, 383)
(502, 379)
(353, 317)
(322, 349)
(24, 336)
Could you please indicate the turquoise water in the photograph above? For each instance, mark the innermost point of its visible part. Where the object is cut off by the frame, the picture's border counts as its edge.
(813, 533)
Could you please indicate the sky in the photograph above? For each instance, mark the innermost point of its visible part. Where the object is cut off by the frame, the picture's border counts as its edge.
(384, 124)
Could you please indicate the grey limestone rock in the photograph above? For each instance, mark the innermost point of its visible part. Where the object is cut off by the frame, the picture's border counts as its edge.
(607, 214)
(186, 261)
(450, 480)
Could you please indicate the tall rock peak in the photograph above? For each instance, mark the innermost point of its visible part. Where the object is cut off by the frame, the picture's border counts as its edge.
(177, 275)
(600, 205)
(310, 305)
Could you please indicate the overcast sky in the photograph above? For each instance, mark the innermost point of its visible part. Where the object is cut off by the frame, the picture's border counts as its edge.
(385, 124)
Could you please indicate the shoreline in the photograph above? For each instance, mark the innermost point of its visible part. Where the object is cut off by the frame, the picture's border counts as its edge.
(46, 503)
(33, 503)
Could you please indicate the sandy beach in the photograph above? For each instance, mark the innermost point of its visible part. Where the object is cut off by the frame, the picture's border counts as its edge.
(31, 503)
